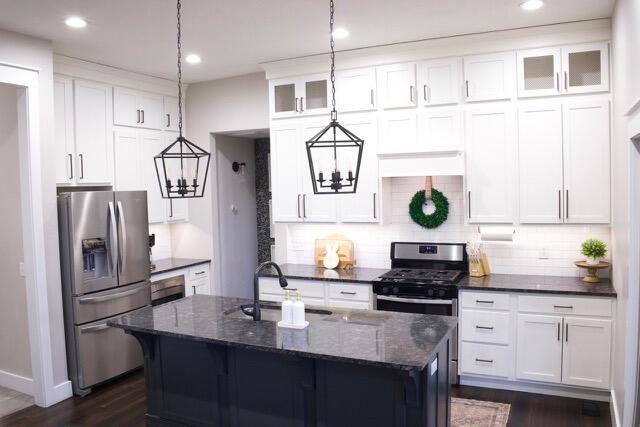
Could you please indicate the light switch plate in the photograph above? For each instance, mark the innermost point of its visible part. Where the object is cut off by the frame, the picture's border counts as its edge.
(21, 268)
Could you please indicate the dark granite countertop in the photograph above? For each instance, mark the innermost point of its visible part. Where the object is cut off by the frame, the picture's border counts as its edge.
(538, 284)
(311, 272)
(170, 264)
(400, 341)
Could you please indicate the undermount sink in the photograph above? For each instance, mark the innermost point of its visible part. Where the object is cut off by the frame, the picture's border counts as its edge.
(271, 312)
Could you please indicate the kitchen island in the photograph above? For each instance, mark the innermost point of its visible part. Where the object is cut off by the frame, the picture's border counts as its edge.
(206, 363)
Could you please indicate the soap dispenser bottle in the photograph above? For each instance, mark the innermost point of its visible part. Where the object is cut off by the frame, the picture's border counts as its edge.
(298, 310)
(287, 309)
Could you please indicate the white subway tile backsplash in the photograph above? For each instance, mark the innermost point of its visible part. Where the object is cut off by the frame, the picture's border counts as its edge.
(561, 243)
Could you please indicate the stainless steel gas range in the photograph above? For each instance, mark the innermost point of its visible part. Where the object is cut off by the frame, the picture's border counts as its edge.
(423, 279)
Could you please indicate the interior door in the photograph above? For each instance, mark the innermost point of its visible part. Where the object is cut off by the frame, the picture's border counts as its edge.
(133, 236)
(539, 348)
(540, 162)
(91, 225)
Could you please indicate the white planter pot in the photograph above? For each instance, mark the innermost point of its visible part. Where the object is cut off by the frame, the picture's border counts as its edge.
(593, 261)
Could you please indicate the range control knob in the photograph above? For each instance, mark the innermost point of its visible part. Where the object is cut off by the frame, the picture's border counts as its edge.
(385, 289)
(396, 289)
(441, 293)
(430, 292)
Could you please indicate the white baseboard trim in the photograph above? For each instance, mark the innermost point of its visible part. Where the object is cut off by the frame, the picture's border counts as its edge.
(527, 387)
(16, 382)
(613, 406)
(58, 393)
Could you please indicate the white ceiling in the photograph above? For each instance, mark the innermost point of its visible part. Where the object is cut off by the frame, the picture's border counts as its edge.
(233, 37)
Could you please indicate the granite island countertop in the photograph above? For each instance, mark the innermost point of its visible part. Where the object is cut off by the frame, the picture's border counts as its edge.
(171, 264)
(400, 341)
(311, 272)
(538, 284)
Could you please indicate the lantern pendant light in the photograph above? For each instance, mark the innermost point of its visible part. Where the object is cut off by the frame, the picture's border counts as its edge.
(182, 167)
(334, 146)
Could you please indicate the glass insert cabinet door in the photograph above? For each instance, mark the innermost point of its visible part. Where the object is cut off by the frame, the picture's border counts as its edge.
(297, 96)
(539, 72)
(586, 68)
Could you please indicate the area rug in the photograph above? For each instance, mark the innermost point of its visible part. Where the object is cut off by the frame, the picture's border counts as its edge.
(477, 413)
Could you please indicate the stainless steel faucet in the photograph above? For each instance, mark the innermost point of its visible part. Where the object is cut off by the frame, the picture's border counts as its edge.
(254, 310)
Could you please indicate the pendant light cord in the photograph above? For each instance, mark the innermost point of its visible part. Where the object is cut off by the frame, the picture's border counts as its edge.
(179, 71)
(334, 114)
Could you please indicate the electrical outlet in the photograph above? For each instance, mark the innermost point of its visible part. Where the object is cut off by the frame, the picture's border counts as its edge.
(21, 268)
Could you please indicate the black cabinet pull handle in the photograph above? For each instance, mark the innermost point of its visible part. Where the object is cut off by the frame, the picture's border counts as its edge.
(291, 289)
(479, 301)
(298, 206)
(168, 120)
(347, 293)
(142, 115)
(568, 307)
(489, 328)
(566, 208)
(469, 202)
(558, 331)
(566, 332)
(199, 273)
(138, 116)
(70, 165)
(484, 360)
(81, 166)
(375, 215)
(560, 204)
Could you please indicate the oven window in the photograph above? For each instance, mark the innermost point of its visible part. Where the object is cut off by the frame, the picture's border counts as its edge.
(411, 307)
(167, 299)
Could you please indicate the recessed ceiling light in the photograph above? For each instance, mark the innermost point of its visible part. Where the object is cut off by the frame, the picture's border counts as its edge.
(193, 59)
(340, 33)
(75, 22)
(532, 4)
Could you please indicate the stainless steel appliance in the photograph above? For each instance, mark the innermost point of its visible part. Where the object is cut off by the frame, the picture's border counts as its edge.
(104, 251)
(423, 280)
(169, 289)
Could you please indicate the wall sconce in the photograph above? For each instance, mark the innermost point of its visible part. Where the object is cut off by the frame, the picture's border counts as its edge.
(239, 168)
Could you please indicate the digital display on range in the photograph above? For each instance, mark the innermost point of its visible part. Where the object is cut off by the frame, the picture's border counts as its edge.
(428, 249)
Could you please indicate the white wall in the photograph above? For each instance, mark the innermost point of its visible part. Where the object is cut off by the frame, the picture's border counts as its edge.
(626, 90)
(561, 243)
(238, 239)
(225, 105)
(30, 52)
(14, 323)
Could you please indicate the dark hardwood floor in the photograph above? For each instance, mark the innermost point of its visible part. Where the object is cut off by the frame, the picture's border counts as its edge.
(122, 403)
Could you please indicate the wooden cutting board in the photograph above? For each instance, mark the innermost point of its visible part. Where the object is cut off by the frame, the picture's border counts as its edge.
(345, 251)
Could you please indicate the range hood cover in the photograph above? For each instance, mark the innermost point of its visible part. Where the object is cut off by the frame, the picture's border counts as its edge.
(423, 164)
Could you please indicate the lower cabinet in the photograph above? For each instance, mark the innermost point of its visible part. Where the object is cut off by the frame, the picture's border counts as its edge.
(322, 293)
(557, 339)
(196, 279)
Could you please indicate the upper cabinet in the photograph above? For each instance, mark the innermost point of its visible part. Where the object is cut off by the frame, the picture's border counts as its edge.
(397, 85)
(170, 113)
(439, 81)
(356, 90)
(63, 124)
(297, 96)
(489, 77)
(563, 70)
(137, 109)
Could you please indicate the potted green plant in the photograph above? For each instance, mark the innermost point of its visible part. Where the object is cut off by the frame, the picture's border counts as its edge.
(594, 250)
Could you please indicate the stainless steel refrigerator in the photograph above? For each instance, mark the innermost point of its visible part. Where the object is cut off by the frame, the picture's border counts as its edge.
(104, 254)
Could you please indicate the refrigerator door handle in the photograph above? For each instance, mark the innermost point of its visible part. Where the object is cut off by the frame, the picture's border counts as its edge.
(113, 237)
(123, 228)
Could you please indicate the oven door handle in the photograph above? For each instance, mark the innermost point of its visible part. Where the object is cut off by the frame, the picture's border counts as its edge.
(416, 300)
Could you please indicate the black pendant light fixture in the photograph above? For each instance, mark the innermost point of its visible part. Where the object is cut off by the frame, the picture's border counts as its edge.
(182, 167)
(334, 147)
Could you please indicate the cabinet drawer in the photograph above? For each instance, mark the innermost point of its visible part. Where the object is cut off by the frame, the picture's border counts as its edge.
(349, 304)
(198, 271)
(495, 301)
(308, 288)
(485, 359)
(589, 306)
(280, 297)
(349, 292)
(484, 326)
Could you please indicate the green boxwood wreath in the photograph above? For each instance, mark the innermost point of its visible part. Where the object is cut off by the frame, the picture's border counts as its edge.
(436, 218)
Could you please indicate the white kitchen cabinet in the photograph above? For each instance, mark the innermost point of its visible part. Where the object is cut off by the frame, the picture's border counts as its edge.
(540, 162)
(319, 293)
(137, 109)
(539, 72)
(586, 161)
(293, 197)
(397, 85)
(92, 129)
(151, 145)
(489, 145)
(439, 81)
(539, 348)
(585, 68)
(440, 130)
(485, 359)
(364, 205)
(356, 90)
(63, 124)
(398, 132)
(587, 352)
(170, 121)
(299, 96)
(489, 77)
(128, 156)
(192, 285)
(285, 147)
